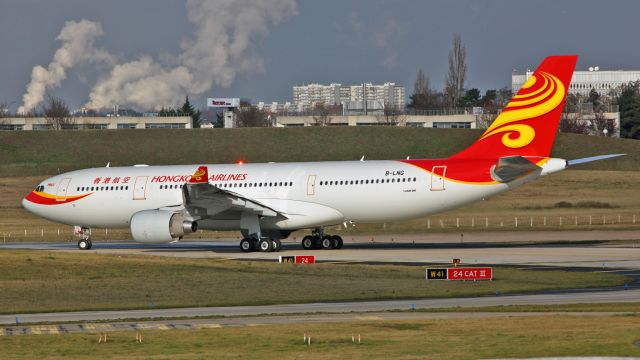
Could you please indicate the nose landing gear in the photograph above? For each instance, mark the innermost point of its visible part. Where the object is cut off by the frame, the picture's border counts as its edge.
(84, 234)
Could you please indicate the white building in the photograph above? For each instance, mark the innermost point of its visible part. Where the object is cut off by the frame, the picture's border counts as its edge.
(305, 97)
(606, 83)
(99, 122)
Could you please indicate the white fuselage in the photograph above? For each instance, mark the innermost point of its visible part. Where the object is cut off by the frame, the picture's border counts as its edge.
(310, 194)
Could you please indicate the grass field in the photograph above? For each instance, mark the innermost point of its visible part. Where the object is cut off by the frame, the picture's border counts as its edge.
(607, 199)
(25, 153)
(603, 307)
(436, 339)
(40, 281)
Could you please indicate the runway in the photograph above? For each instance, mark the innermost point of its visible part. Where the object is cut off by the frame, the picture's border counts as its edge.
(587, 249)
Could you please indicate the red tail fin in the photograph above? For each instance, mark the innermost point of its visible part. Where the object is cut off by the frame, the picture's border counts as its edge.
(528, 124)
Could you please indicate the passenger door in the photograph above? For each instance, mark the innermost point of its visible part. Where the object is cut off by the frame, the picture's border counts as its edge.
(140, 188)
(437, 178)
(311, 185)
(61, 193)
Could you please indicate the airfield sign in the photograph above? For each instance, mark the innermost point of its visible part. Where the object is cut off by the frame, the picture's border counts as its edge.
(460, 273)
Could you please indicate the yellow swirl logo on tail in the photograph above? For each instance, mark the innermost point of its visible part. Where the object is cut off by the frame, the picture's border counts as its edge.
(547, 93)
(199, 174)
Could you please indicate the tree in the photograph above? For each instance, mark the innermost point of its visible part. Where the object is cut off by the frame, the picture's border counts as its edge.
(4, 113)
(471, 98)
(321, 115)
(423, 96)
(600, 123)
(219, 120)
(391, 115)
(419, 97)
(629, 106)
(196, 115)
(571, 120)
(250, 116)
(454, 82)
(57, 114)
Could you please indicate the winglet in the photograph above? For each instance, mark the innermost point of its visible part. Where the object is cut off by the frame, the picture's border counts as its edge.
(200, 176)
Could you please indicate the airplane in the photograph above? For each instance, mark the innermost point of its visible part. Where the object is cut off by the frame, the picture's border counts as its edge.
(268, 201)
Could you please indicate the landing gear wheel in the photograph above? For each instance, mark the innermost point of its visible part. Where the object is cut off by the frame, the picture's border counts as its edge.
(326, 243)
(265, 245)
(246, 245)
(276, 244)
(84, 244)
(307, 242)
(337, 242)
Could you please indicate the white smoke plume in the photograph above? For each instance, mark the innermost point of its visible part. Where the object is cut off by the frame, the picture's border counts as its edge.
(77, 48)
(220, 48)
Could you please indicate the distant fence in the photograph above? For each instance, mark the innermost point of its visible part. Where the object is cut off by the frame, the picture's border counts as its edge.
(426, 225)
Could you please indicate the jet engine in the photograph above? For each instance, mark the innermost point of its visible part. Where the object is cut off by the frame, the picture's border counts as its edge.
(160, 226)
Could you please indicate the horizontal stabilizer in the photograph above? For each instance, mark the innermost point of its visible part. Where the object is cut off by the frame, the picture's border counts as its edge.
(592, 158)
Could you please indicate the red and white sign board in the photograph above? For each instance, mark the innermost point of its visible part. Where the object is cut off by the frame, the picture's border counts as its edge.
(470, 273)
(298, 259)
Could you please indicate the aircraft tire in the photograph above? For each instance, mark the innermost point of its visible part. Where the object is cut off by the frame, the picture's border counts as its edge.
(84, 244)
(326, 243)
(276, 244)
(246, 245)
(337, 242)
(308, 242)
(265, 245)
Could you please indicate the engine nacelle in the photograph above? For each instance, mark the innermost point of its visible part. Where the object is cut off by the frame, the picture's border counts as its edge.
(160, 226)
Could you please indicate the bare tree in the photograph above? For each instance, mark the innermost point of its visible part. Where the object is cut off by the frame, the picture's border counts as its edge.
(574, 123)
(454, 82)
(419, 100)
(4, 113)
(321, 115)
(251, 116)
(4, 116)
(392, 115)
(485, 119)
(56, 113)
(600, 123)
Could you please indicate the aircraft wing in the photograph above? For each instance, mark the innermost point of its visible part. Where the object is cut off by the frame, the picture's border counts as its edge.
(204, 200)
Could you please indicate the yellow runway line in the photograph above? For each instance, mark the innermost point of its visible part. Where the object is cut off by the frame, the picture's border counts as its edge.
(163, 327)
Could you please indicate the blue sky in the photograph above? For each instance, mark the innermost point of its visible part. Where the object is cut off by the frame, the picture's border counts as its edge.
(320, 41)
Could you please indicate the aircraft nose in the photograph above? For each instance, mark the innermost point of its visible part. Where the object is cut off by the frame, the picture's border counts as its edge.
(26, 204)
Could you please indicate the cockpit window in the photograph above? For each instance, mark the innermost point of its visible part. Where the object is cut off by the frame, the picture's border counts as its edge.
(39, 188)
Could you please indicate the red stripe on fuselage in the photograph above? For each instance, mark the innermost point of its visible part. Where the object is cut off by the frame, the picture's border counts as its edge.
(52, 199)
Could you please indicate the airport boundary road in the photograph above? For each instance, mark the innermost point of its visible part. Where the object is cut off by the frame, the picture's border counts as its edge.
(339, 307)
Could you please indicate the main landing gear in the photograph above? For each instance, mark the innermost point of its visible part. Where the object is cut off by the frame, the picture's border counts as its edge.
(85, 237)
(263, 245)
(318, 240)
